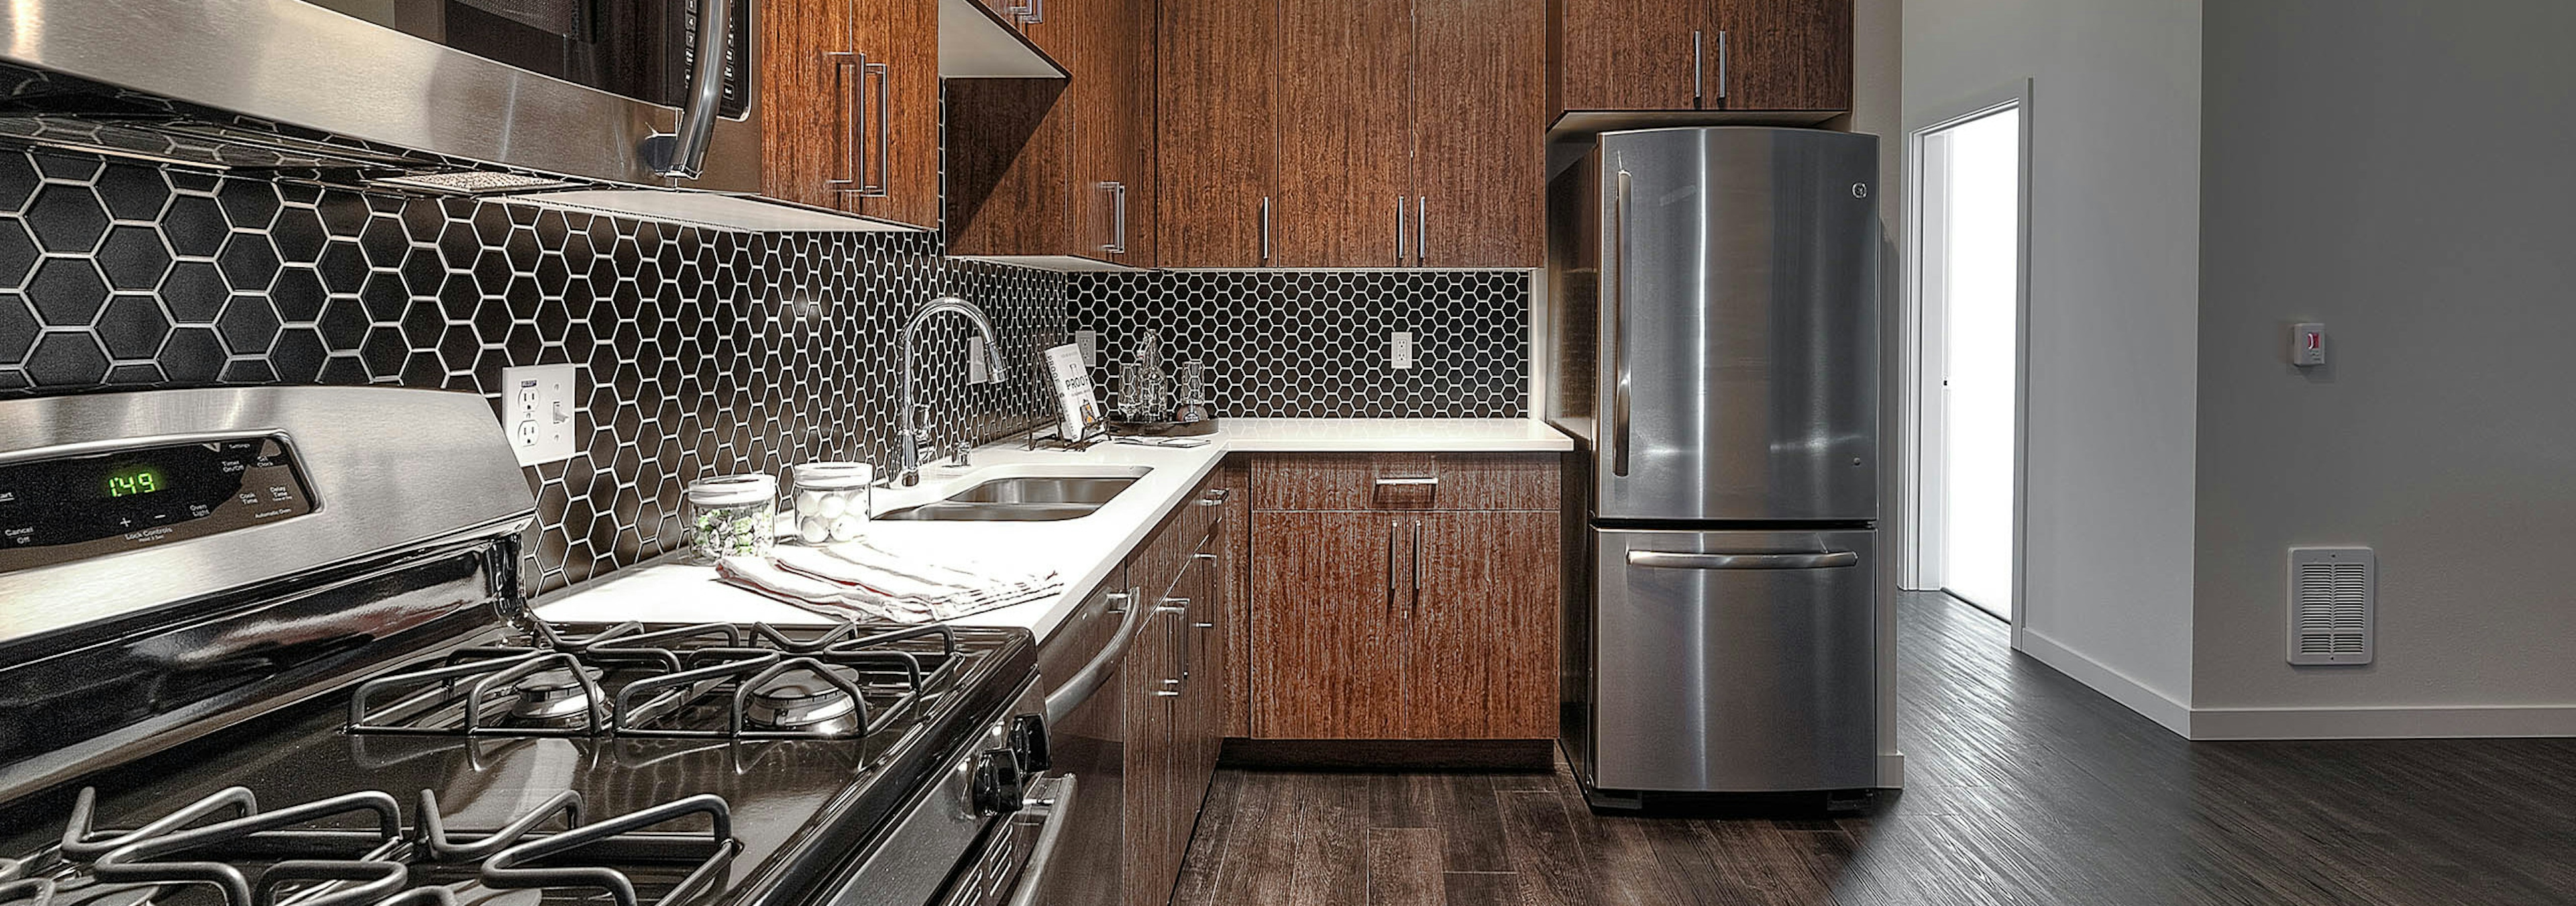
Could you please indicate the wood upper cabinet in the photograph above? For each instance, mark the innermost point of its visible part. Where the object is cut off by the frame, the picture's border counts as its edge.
(1624, 54)
(1787, 54)
(1325, 133)
(1057, 167)
(1415, 618)
(1479, 145)
(809, 82)
(1216, 150)
(899, 97)
(1662, 55)
(1344, 186)
(851, 95)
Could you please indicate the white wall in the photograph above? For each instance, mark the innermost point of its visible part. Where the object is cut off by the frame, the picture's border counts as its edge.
(2115, 207)
(2401, 171)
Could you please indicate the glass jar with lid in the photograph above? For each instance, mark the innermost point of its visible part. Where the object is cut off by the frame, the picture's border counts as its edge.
(731, 516)
(832, 500)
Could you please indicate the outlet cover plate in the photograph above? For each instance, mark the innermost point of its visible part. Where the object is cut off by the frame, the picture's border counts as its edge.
(539, 412)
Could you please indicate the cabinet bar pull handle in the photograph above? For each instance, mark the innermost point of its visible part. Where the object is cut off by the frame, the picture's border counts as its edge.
(1117, 244)
(1391, 525)
(1679, 560)
(1399, 230)
(884, 74)
(1409, 482)
(1421, 229)
(1265, 229)
(1617, 291)
(1698, 81)
(852, 117)
(1417, 565)
(1721, 65)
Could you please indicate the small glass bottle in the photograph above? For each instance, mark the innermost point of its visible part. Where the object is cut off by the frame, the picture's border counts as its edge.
(832, 500)
(731, 516)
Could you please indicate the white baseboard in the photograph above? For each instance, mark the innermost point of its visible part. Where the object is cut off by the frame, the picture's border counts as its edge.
(2383, 723)
(2156, 706)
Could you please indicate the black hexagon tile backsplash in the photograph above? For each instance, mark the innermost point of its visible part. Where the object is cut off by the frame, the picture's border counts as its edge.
(1314, 344)
(703, 351)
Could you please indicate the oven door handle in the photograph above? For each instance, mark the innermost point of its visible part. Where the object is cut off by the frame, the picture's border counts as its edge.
(1057, 806)
(683, 154)
(1061, 702)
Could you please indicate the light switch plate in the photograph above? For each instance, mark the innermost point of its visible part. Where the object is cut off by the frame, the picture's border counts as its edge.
(538, 410)
(1399, 350)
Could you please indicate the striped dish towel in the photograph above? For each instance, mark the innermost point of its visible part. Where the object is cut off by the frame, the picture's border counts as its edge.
(818, 595)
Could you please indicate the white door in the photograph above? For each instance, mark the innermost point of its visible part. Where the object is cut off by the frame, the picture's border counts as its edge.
(1968, 245)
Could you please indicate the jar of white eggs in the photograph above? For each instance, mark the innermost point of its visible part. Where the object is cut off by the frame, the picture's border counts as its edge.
(832, 500)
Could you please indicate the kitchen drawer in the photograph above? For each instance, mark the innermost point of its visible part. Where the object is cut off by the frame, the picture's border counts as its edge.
(1405, 481)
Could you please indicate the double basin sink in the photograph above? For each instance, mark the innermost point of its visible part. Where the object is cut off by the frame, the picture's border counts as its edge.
(1027, 498)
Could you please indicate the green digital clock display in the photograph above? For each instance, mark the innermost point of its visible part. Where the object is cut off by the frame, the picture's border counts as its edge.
(137, 480)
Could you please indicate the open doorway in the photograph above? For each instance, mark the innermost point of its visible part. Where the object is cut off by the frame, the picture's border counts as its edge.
(1968, 302)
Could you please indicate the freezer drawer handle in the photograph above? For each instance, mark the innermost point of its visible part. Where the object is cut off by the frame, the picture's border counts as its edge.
(1676, 560)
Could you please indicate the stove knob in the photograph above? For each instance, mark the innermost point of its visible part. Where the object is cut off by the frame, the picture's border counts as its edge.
(999, 783)
(1029, 739)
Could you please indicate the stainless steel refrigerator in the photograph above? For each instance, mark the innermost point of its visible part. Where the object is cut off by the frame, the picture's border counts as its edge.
(1714, 334)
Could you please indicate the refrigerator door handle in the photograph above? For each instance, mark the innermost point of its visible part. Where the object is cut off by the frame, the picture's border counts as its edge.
(1618, 292)
(1679, 560)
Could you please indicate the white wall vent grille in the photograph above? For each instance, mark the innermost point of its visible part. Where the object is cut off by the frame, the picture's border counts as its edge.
(2333, 604)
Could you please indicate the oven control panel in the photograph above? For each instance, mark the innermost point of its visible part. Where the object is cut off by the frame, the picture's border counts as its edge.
(73, 507)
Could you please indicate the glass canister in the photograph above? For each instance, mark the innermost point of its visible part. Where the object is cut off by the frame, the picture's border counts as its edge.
(832, 500)
(731, 516)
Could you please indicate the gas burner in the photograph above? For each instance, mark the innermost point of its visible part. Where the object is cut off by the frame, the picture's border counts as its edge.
(555, 697)
(803, 702)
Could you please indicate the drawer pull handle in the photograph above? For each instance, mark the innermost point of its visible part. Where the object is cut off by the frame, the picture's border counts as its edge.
(1678, 560)
(1408, 482)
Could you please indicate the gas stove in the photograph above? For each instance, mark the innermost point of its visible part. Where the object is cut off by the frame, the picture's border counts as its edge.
(342, 722)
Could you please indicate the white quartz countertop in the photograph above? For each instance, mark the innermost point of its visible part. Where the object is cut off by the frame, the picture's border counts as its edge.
(1082, 550)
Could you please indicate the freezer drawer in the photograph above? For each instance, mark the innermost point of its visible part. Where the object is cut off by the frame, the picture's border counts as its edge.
(1733, 661)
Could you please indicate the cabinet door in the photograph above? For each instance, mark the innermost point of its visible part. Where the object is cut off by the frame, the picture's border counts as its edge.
(1480, 121)
(1785, 55)
(809, 83)
(1152, 663)
(1629, 54)
(1326, 635)
(1480, 645)
(1010, 165)
(1345, 139)
(1109, 182)
(899, 95)
(1216, 149)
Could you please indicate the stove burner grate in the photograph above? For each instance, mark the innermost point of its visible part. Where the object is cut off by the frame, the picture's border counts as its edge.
(712, 680)
(303, 864)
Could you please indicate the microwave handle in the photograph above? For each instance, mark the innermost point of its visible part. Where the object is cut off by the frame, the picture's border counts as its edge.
(684, 154)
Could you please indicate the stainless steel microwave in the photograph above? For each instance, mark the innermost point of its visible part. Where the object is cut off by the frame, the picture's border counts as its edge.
(473, 96)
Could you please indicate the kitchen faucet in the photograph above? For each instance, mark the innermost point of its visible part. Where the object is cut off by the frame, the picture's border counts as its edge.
(916, 434)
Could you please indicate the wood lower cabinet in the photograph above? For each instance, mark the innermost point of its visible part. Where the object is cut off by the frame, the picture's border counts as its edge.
(1397, 618)
(1174, 687)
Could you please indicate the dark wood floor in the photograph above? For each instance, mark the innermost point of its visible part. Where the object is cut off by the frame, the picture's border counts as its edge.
(2023, 787)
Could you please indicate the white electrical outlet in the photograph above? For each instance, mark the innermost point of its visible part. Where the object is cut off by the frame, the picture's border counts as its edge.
(979, 369)
(1089, 342)
(1399, 349)
(537, 409)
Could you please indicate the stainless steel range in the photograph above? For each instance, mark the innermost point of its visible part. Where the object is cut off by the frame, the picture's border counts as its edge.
(267, 646)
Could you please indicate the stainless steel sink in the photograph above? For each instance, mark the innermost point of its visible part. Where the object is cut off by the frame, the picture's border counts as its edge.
(1024, 498)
